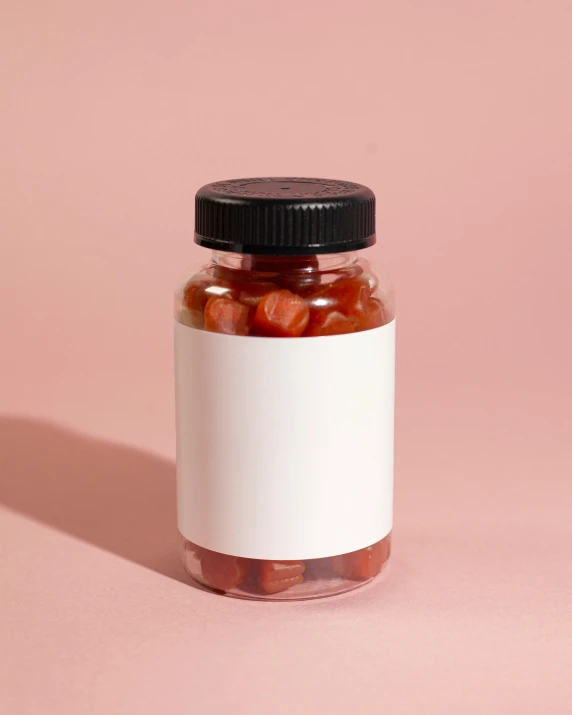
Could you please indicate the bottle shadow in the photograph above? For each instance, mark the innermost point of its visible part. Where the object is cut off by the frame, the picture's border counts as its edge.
(115, 497)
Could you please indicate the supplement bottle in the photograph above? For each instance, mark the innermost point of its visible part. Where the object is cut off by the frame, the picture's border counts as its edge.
(284, 353)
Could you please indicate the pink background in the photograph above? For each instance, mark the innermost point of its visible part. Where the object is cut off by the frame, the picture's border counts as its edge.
(459, 116)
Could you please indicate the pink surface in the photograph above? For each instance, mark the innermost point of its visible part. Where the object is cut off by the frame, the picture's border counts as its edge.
(458, 115)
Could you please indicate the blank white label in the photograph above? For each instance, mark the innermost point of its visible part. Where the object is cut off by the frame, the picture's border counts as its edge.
(285, 445)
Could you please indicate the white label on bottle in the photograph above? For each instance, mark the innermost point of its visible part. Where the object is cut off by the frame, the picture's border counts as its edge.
(285, 445)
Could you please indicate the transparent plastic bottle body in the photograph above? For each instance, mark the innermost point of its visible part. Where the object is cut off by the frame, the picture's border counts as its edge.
(285, 297)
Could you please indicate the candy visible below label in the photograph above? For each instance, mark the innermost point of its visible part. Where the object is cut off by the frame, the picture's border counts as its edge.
(285, 445)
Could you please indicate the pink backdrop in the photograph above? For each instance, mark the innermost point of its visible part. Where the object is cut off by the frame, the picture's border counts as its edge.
(459, 116)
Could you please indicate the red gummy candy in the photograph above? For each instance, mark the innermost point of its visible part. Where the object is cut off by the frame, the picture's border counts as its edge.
(198, 290)
(304, 284)
(223, 572)
(223, 315)
(363, 564)
(347, 295)
(373, 315)
(277, 576)
(332, 323)
(282, 314)
(252, 293)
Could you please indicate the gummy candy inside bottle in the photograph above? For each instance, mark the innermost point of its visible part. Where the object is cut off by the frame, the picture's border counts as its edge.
(285, 297)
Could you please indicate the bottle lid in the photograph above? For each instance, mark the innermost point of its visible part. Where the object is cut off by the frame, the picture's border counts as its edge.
(285, 216)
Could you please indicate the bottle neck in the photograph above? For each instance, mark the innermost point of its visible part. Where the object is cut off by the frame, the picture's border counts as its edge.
(322, 262)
